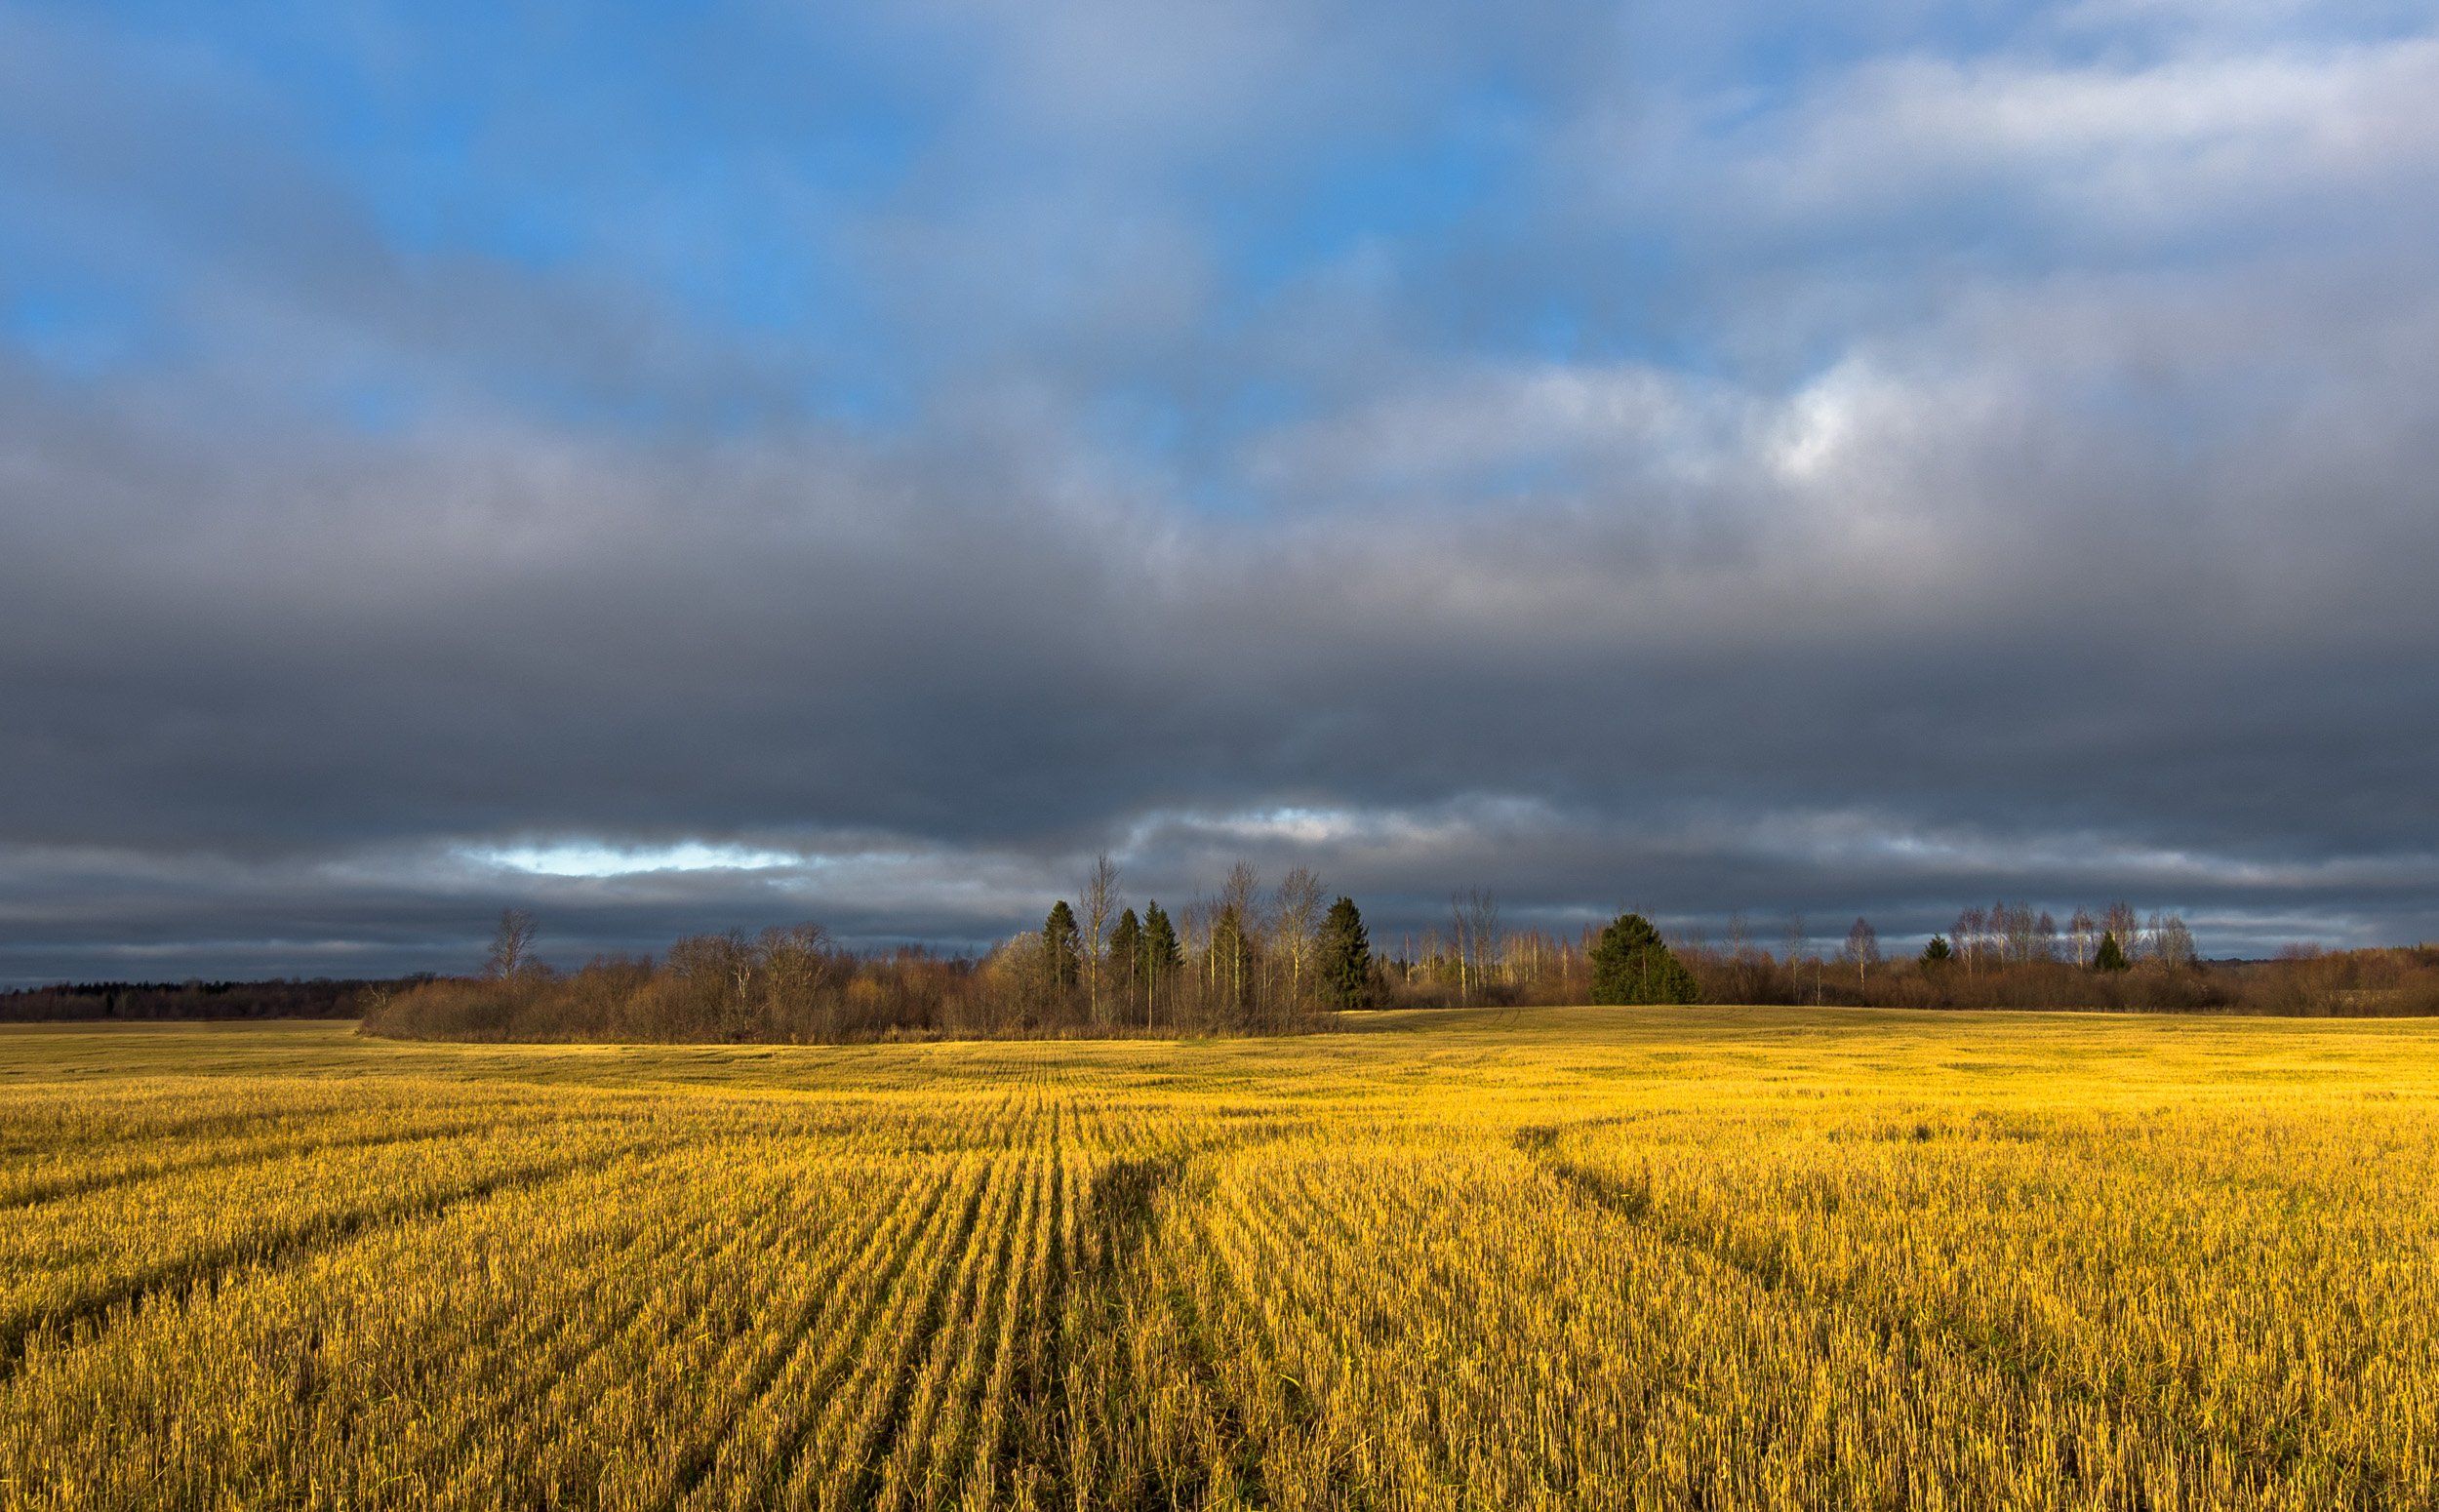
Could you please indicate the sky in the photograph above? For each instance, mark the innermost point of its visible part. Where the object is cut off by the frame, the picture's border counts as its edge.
(674, 468)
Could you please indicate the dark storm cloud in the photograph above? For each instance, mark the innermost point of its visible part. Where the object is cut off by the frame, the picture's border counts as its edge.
(2025, 489)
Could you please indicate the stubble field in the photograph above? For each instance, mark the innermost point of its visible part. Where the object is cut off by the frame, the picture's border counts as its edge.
(1614, 1258)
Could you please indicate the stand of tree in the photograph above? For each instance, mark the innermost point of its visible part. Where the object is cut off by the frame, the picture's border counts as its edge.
(319, 998)
(2006, 956)
(1246, 960)
(1255, 960)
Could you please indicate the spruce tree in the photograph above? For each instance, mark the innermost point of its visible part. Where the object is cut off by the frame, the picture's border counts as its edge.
(1345, 957)
(2112, 956)
(1126, 949)
(1632, 964)
(1160, 954)
(1060, 947)
(1938, 952)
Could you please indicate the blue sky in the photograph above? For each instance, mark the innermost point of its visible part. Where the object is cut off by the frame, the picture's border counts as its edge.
(1837, 459)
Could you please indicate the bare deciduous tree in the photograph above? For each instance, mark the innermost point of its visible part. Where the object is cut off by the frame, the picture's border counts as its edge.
(512, 952)
(1474, 923)
(1459, 927)
(1297, 908)
(1862, 949)
(1971, 932)
(796, 967)
(1240, 899)
(1488, 955)
(2174, 941)
(1101, 908)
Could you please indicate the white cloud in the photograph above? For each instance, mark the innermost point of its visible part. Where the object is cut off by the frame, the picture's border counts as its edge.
(2124, 152)
(1463, 427)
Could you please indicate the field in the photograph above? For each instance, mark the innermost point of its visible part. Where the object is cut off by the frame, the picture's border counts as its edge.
(1616, 1258)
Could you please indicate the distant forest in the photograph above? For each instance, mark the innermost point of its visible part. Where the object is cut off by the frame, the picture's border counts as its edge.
(1250, 959)
(319, 998)
(1256, 959)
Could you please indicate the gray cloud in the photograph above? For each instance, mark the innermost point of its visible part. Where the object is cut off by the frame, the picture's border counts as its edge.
(2094, 566)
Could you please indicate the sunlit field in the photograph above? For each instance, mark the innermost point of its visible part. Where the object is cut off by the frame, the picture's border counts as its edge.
(1616, 1258)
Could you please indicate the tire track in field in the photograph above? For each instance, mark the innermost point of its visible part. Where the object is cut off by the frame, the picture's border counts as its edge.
(1007, 1339)
(1129, 1171)
(210, 1270)
(652, 1347)
(551, 1423)
(1273, 1234)
(120, 1119)
(39, 1191)
(495, 1344)
(1124, 1210)
(874, 1303)
(909, 1217)
(880, 1375)
(1010, 1426)
(1332, 1289)
(1987, 1348)
(1239, 1437)
(671, 1242)
(915, 1382)
(951, 1402)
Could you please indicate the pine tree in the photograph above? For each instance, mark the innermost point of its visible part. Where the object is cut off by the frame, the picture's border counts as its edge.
(1126, 950)
(1632, 964)
(1160, 955)
(1345, 962)
(2111, 957)
(1937, 953)
(1060, 946)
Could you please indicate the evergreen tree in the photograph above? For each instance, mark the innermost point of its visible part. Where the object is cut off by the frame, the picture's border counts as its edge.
(1632, 964)
(1160, 955)
(1345, 957)
(1126, 951)
(1937, 953)
(1061, 947)
(2111, 957)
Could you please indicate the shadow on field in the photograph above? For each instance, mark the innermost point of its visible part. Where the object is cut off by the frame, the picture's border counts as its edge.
(1141, 1412)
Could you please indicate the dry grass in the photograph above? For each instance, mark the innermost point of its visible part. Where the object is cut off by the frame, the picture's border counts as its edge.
(1614, 1257)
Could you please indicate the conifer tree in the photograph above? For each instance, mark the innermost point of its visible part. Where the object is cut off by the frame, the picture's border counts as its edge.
(1345, 957)
(1632, 964)
(1160, 955)
(2111, 957)
(1126, 950)
(1060, 941)
(1938, 952)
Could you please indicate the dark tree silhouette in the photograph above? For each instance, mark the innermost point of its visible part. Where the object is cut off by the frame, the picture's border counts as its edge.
(1126, 955)
(2111, 957)
(1061, 947)
(1345, 957)
(1632, 964)
(511, 953)
(1161, 956)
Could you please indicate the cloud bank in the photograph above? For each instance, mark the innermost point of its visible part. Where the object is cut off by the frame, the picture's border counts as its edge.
(763, 466)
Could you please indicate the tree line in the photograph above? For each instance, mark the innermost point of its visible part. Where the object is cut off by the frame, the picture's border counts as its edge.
(1254, 959)
(1247, 959)
(320, 997)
